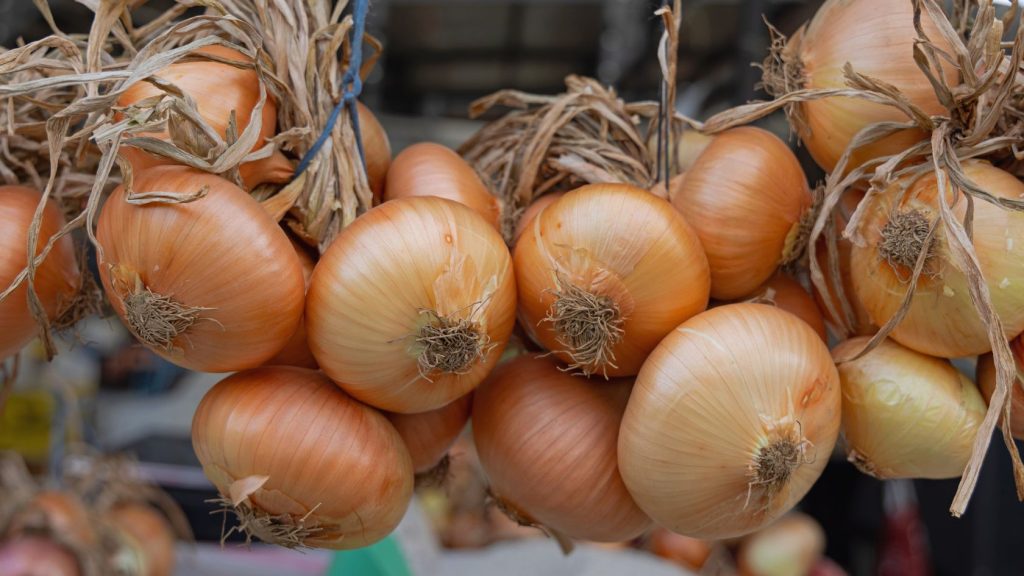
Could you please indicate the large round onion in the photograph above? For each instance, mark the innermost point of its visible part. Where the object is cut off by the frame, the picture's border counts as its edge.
(604, 273)
(57, 278)
(730, 422)
(300, 462)
(942, 320)
(547, 444)
(876, 38)
(905, 414)
(412, 305)
(210, 285)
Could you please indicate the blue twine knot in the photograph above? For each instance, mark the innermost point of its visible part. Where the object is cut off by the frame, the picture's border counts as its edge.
(352, 87)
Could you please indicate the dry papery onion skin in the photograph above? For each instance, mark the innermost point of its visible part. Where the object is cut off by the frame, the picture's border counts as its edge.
(730, 422)
(211, 284)
(986, 379)
(547, 444)
(56, 279)
(299, 462)
(942, 320)
(604, 273)
(412, 305)
(905, 414)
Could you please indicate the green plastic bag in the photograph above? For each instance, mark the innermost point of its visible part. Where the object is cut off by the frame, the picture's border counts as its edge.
(384, 558)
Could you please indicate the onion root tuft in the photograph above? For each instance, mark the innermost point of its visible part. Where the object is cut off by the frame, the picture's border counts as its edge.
(904, 237)
(283, 529)
(588, 326)
(449, 345)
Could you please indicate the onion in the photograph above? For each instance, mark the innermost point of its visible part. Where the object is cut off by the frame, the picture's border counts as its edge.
(547, 444)
(533, 210)
(376, 148)
(730, 422)
(299, 461)
(746, 196)
(986, 378)
(429, 435)
(790, 547)
(412, 305)
(690, 553)
(428, 169)
(59, 513)
(296, 352)
(218, 89)
(57, 278)
(785, 293)
(942, 320)
(211, 285)
(859, 321)
(877, 38)
(604, 273)
(905, 414)
(37, 556)
(149, 534)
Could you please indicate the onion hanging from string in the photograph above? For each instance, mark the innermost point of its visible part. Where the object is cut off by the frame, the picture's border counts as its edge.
(62, 514)
(789, 547)
(942, 320)
(56, 279)
(605, 273)
(301, 463)
(747, 198)
(905, 414)
(376, 148)
(412, 305)
(730, 422)
(211, 284)
(547, 444)
(148, 534)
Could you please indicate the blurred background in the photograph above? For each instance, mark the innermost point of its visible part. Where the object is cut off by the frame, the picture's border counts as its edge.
(439, 56)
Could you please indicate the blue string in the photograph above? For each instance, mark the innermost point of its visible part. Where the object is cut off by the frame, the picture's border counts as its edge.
(352, 86)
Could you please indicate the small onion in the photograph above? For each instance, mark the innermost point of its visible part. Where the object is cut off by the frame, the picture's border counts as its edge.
(690, 553)
(790, 547)
(60, 513)
(301, 462)
(57, 278)
(533, 210)
(412, 305)
(905, 414)
(746, 196)
(210, 285)
(604, 273)
(784, 292)
(296, 352)
(986, 378)
(376, 147)
(149, 533)
(547, 444)
(429, 435)
(730, 421)
(942, 320)
(32, 555)
(428, 169)
(218, 89)
(877, 38)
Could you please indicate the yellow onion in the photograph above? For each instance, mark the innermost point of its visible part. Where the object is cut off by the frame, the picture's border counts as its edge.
(905, 414)
(296, 352)
(428, 169)
(533, 210)
(33, 555)
(746, 196)
(429, 435)
(547, 444)
(412, 305)
(876, 38)
(301, 462)
(790, 547)
(60, 513)
(605, 273)
(149, 534)
(785, 293)
(690, 553)
(730, 422)
(218, 89)
(56, 279)
(986, 378)
(210, 285)
(942, 320)
(376, 148)
(858, 322)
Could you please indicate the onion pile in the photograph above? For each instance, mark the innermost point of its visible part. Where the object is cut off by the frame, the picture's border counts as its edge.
(730, 421)
(56, 279)
(604, 273)
(905, 414)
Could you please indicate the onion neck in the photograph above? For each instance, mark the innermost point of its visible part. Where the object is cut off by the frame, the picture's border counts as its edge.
(588, 326)
(513, 513)
(437, 476)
